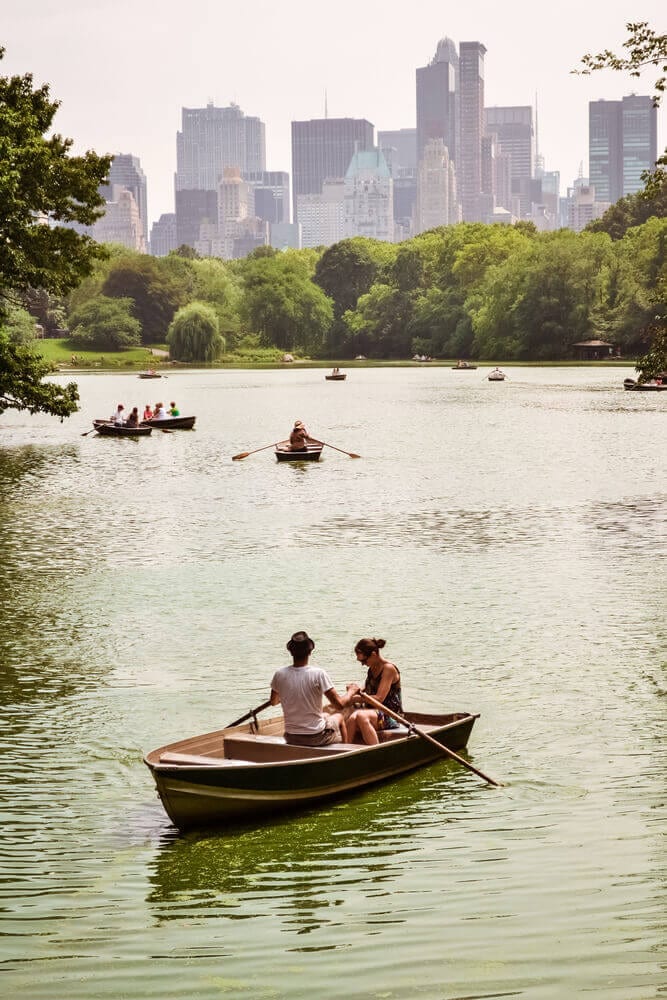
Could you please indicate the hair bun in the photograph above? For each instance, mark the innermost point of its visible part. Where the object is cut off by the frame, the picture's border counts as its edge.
(380, 643)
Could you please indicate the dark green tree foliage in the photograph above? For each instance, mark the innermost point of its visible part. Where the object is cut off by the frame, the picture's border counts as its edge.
(194, 334)
(283, 305)
(42, 185)
(105, 324)
(155, 287)
(347, 270)
(654, 362)
(22, 386)
(47, 309)
(634, 209)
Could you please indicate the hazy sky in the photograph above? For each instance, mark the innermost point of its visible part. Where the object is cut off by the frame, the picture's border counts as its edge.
(123, 69)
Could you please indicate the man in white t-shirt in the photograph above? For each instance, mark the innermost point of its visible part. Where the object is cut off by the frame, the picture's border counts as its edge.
(300, 688)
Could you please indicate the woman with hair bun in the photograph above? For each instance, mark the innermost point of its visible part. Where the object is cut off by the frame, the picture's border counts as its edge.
(383, 681)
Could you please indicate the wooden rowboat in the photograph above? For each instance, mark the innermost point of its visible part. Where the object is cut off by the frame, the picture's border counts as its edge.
(109, 429)
(248, 771)
(311, 453)
(339, 377)
(175, 423)
(150, 375)
(496, 376)
(464, 366)
(629, 383)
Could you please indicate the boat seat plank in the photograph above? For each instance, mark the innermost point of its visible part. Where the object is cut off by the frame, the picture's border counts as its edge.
(194, 759)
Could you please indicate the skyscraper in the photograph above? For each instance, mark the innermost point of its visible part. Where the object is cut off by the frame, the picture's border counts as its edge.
(437, 100)
(514, 128)
(469, 158)
(126, 172)
(622, 143)
(210, 140)
(369, 196)
(322, 149)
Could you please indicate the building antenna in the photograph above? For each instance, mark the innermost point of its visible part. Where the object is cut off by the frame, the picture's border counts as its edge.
(326, 104)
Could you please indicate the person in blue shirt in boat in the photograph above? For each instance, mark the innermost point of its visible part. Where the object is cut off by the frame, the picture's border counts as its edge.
(298, 439)
(173, 410)
(299, 689)
(383, 682)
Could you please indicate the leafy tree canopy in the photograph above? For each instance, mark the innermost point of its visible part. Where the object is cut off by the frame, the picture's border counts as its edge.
(643, 48)
(194, 335)
(105, 324)
(156, 287)
(41, 186)
(22, 386)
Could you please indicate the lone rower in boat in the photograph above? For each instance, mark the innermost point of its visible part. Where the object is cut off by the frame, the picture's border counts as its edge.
(298, 439)
(299, 689)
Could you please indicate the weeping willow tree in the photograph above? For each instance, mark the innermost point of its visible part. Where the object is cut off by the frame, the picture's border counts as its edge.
(194, 334)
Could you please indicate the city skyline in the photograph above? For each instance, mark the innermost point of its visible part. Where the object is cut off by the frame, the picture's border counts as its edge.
(123, 75)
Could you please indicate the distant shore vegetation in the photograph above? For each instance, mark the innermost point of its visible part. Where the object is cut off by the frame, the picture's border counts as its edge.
(475, 291)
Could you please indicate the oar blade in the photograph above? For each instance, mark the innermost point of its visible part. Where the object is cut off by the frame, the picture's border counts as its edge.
(237, 458)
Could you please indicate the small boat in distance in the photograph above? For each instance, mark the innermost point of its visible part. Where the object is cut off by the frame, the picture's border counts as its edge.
(151, 373)
(463, 366)
(659, 384)
(496, 375)
(248, 771)
(311, 453)
(336, 376)
(109, 429)
(174, 423)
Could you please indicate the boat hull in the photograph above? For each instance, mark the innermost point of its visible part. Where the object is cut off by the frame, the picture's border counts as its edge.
(464, 368)
(107, 429)
(174, 423)
(335, 378)
(310, 454)
(225, 792)
(633, 386)
(149, 375)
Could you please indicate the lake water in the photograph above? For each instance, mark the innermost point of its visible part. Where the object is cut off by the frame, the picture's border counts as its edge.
(507, 539)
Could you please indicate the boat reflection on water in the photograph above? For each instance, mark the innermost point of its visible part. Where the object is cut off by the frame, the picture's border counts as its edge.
(296, 866)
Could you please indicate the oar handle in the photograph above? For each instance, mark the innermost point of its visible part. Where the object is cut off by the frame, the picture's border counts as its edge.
(249, 715)
(425, 736)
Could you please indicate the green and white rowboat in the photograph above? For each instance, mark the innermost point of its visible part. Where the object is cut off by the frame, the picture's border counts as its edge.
(248, 771)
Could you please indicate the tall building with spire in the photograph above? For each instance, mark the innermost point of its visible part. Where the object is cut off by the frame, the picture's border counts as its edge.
(321, 151)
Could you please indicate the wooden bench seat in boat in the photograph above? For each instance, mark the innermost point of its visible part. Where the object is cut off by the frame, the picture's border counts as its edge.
(242, 748)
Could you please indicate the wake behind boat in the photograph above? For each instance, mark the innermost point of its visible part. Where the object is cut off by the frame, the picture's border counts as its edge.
(248, 771)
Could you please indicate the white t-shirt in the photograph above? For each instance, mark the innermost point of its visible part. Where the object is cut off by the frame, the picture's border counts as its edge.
(301, 690)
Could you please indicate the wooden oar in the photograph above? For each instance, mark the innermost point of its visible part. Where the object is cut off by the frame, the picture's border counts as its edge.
(86, 433)
(244, 454)
(420, 732)
(249, 715)
(326, 444)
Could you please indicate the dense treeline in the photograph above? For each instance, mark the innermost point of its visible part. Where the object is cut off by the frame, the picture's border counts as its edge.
(471, 290)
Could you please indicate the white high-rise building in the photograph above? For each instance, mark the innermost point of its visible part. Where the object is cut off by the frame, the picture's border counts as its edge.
(436, 203)
(121, 222)
(322, 216)
(369, 196)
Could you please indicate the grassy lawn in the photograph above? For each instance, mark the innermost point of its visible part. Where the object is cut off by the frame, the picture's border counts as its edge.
(61, 352)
